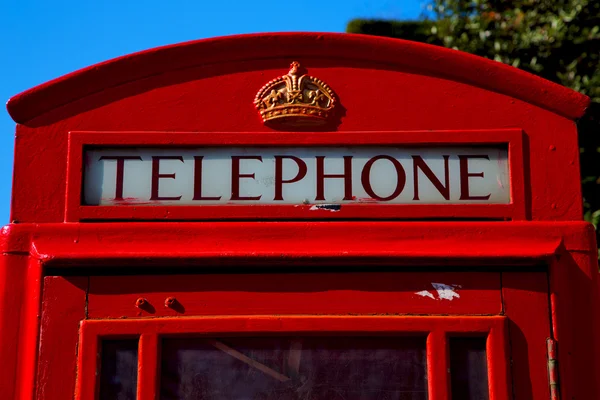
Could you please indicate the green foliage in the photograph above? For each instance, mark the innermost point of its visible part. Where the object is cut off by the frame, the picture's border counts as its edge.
(556, 39)
(419, 31)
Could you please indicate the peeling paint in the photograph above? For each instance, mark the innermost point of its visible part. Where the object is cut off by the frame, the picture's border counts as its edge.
(426, 293)
(445, 292)
(327, 207)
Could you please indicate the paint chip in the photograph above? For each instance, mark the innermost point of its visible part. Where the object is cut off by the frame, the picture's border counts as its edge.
(445, 292)
(326, 207)
(426, 293)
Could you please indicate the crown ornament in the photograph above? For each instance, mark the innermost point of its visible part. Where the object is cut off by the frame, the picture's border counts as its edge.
(295, 98)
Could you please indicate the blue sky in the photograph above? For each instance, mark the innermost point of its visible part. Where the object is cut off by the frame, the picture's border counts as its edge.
(42, 40)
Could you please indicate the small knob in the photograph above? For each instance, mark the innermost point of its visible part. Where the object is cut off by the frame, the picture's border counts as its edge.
(170, 301)
(141, 302)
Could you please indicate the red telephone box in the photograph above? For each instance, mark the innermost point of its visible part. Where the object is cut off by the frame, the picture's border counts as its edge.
(294, 216)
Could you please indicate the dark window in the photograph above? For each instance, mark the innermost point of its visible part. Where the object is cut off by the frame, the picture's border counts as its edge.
(294, 368)
(468, 369)
(118, 371)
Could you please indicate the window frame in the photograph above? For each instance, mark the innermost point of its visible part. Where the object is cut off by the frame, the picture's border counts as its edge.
(512, 138)
(438, 330)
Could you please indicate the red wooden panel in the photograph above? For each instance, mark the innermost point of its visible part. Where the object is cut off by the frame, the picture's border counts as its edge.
(574, 311)
(63, 307)
(526, 306)
(296, 293)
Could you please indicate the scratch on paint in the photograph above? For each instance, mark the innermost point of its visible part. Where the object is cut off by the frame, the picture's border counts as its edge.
(445, 292)
(365, 200)
(326, 207)
(125, 201)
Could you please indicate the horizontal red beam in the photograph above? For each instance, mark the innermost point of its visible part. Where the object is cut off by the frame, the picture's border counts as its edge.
(436, 241)
(295, 324)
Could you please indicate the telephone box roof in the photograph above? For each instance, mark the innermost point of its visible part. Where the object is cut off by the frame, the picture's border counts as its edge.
(383, 52)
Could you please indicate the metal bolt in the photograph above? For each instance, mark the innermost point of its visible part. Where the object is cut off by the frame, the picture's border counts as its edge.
(141, 302)
(170, 301)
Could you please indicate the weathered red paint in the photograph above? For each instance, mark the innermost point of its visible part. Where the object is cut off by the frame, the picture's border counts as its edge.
(392, 93)
(250, 294)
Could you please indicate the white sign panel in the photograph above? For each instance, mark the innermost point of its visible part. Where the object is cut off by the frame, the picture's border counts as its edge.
(308, 175)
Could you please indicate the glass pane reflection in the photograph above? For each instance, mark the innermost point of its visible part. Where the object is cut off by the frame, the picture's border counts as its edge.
(118, 373)
(468, 368)
(294, 368)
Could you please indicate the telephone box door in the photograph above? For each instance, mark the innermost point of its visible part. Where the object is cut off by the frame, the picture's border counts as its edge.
(295, 335)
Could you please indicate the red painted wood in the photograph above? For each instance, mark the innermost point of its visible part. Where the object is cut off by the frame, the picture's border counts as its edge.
(277, 212)
(262, 324)
(411, 55)
(63, 308)
(429, 242)
(149, 365)
(526, 305)
(87, 365)
(185, 93)
(94, 330)
(176, 94)
(28, 352)
(438, 365)
(574, 314)
(310, 293)
(12, 278)
(498, 353)
(412, 243)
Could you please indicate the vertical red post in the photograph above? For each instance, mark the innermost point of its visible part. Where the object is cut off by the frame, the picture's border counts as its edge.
(498, 354)
(438, 364)
(147, 383)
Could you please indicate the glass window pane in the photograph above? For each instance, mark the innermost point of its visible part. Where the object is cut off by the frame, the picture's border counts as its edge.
(294, 368)
(118, 371)
(468, 369)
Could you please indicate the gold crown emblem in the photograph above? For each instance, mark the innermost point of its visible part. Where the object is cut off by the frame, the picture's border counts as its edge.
(296, 98)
